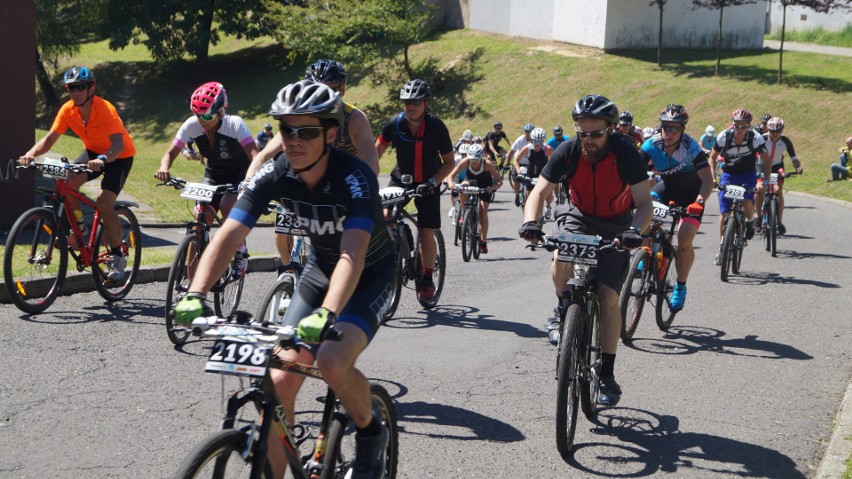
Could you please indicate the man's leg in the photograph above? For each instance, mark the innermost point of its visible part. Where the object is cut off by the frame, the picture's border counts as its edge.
(610, 330)
(106, 207)
(336, 360)
(428, 248)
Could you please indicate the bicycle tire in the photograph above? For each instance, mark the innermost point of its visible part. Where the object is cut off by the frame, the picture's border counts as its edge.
(772, 229)
(665, 290)
(522, 195)
(568, 379)
(271, 304)
(131, 247)
(341, 437)
(439, 270)
(34, 291)
(217, 454)
(728, 246)
(177, 285)
(590, 385)
(228, 292)
(475, 236)
(396, 291)
(632, 298)
(738, 244)
(457, 228)
(467, 236)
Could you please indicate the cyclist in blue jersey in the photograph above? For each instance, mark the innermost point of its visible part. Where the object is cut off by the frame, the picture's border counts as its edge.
(347, 281)
(557, 138)
(264, 136)
(687, 181)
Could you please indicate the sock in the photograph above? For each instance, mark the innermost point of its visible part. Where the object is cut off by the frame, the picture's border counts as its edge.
(607, 365)
(116, 250)
(428, 271)
(682, 284)
(372, 429)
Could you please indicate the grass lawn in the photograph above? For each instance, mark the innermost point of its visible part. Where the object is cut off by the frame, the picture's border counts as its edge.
(818, 35)
(489, 77)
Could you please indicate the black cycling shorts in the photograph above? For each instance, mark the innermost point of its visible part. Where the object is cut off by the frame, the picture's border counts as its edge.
(428, 208)
(219, 179)
(612, 264)
(114, 173)
(680, 198)
(364, 309)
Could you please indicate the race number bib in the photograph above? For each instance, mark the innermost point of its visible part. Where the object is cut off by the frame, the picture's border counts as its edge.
(773, 179)
(391, 195)
(198, 192)
(661, 212)
(735, 192)
(286, 222)
(238, 358)
(53, 168)
(523, 170)
(578, 248)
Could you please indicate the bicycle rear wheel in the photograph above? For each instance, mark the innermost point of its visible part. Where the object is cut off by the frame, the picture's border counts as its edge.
(131, 249)
(468, 240)
(228, 291)
(728, 245)
(438, 270)
(772, 229)
(665, 290)
(183, 267)
(633, 293)
(219, 456)
(341, 437)
(568, 379)
(276, 300)
(35, 261)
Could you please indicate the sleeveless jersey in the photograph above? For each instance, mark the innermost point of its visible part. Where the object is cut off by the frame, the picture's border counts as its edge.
(344, 140)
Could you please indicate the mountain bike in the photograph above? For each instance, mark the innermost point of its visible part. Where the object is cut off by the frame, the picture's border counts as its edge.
(655, 280)
(228, 288)
(409, 264)
(733, 232)
(35, 261)
(578, 361)
(769, 218)
(470, 222)
(456, 217)
(277, 298)
(526, 184)
(248, 350)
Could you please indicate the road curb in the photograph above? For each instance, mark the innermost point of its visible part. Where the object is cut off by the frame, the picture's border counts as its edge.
(83, 283)
(833, 463)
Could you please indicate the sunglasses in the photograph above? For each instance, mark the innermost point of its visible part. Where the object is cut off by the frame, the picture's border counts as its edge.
(303, 133)
(206, 117)
(741, 127)
(77, 87)
(412, 102)
(590, 134)
(672, 129)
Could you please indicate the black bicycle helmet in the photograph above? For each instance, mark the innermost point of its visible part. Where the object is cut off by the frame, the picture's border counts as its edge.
(499, 124)
(326, 71)
(625, 118)
(78, 75)
(415, 90)
(765, 118)
(267, 126)
(557, 130)
(308, 98)
(595, 106)
(675, 113)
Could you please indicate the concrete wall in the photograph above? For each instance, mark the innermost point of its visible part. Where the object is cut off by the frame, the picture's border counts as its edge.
(617, 24)
(801, 18)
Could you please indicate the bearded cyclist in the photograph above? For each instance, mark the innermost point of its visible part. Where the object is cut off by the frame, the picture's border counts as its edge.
(606, 178)
(347, 281)
(687, 182)
(776, 145)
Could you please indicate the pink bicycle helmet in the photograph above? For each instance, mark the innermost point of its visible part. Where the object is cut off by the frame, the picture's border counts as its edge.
(208, 99)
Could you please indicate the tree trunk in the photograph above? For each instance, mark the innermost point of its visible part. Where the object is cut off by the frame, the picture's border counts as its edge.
(407, 63)
(781, 50)
(50, 98)
(660, 41)
(204, 34)
(719, 41)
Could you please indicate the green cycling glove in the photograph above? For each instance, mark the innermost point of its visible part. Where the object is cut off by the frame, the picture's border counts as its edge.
(314, 327)
(190, 307)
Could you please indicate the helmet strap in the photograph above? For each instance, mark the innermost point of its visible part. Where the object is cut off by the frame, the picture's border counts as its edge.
(89, 97)
(312, 165)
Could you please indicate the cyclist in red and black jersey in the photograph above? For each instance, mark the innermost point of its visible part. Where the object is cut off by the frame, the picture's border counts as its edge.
(776, 145)
(606, 177)
(425, 151)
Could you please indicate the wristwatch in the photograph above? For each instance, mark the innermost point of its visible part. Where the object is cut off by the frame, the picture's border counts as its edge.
(102, 158)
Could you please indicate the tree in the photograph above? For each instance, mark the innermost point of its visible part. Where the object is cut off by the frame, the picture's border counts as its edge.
(171, 29)
(822, 6)
(360, 32)
(719, 5)
(661, 4)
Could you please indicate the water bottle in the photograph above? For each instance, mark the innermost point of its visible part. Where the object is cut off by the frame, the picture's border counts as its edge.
(662, 262)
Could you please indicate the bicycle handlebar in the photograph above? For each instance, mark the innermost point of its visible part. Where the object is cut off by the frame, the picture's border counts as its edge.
(551, 243)
(240, 322)
(180, 183)
(72, 167)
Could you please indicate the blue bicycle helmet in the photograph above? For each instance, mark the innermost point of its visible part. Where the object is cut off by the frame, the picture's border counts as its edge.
(78, 75)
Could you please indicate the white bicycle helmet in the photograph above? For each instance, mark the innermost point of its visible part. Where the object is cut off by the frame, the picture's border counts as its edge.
(467, 135)
(474, 151)
(308, 98)
(710, 130)
(538, 134)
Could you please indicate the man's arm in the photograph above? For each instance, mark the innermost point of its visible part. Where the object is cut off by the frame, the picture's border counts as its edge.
(535, 201)
(218, 255)
(381, 147)
(272, 148)
(347, 271)
(706, 177)
(449, 159)
(362, 137)
(713, 155)
(41, 147)
(115, 148)
(641, 193)
(166, 162)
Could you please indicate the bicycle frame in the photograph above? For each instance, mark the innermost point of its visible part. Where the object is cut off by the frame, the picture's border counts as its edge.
(59, 197)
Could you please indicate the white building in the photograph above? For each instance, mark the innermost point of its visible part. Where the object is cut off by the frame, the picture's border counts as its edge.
(801, 18)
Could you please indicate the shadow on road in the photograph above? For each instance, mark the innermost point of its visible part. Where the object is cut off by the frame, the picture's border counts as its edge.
(696, 339)
(653, 442)
(124, 310)
(440, 421)
(804, 255)
(462, 316)
(761, 278)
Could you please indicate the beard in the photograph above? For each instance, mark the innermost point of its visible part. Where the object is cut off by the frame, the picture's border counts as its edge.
(593, 154)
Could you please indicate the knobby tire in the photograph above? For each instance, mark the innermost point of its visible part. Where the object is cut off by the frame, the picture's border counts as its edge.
(632, 298)
(187, 257)
(218, 455)
(131, 246)
(568, 379)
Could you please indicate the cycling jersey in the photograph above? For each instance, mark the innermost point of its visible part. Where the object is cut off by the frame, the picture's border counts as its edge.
(707, 141)
(634, 134)
(742, 157)
(495, 138)
(776, 150)
(346, 198)
(601, 189)
(518, 145)
(680, 170)
(263, 138)
(344, 140)
(553, 142)
(95, 132)
(536, 159)
(226, 156)
(482, 176)
(418, 154)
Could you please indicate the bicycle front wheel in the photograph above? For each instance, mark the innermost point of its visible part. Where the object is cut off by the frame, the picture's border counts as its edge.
(468, 240)
(632, 298)
(568, 379)
(590, 352)
(457, 228)
(665, 290)
(438, 269)
(220, 455)
(180, 275)
(728, 246)
(276, 300)
(227, 292)
(35, 261)
(475, 240)
(772, 229)
(341, 438)
(737, 248)
(131, 249)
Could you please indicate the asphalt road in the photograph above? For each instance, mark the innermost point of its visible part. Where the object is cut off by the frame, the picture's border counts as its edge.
(746, 384)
